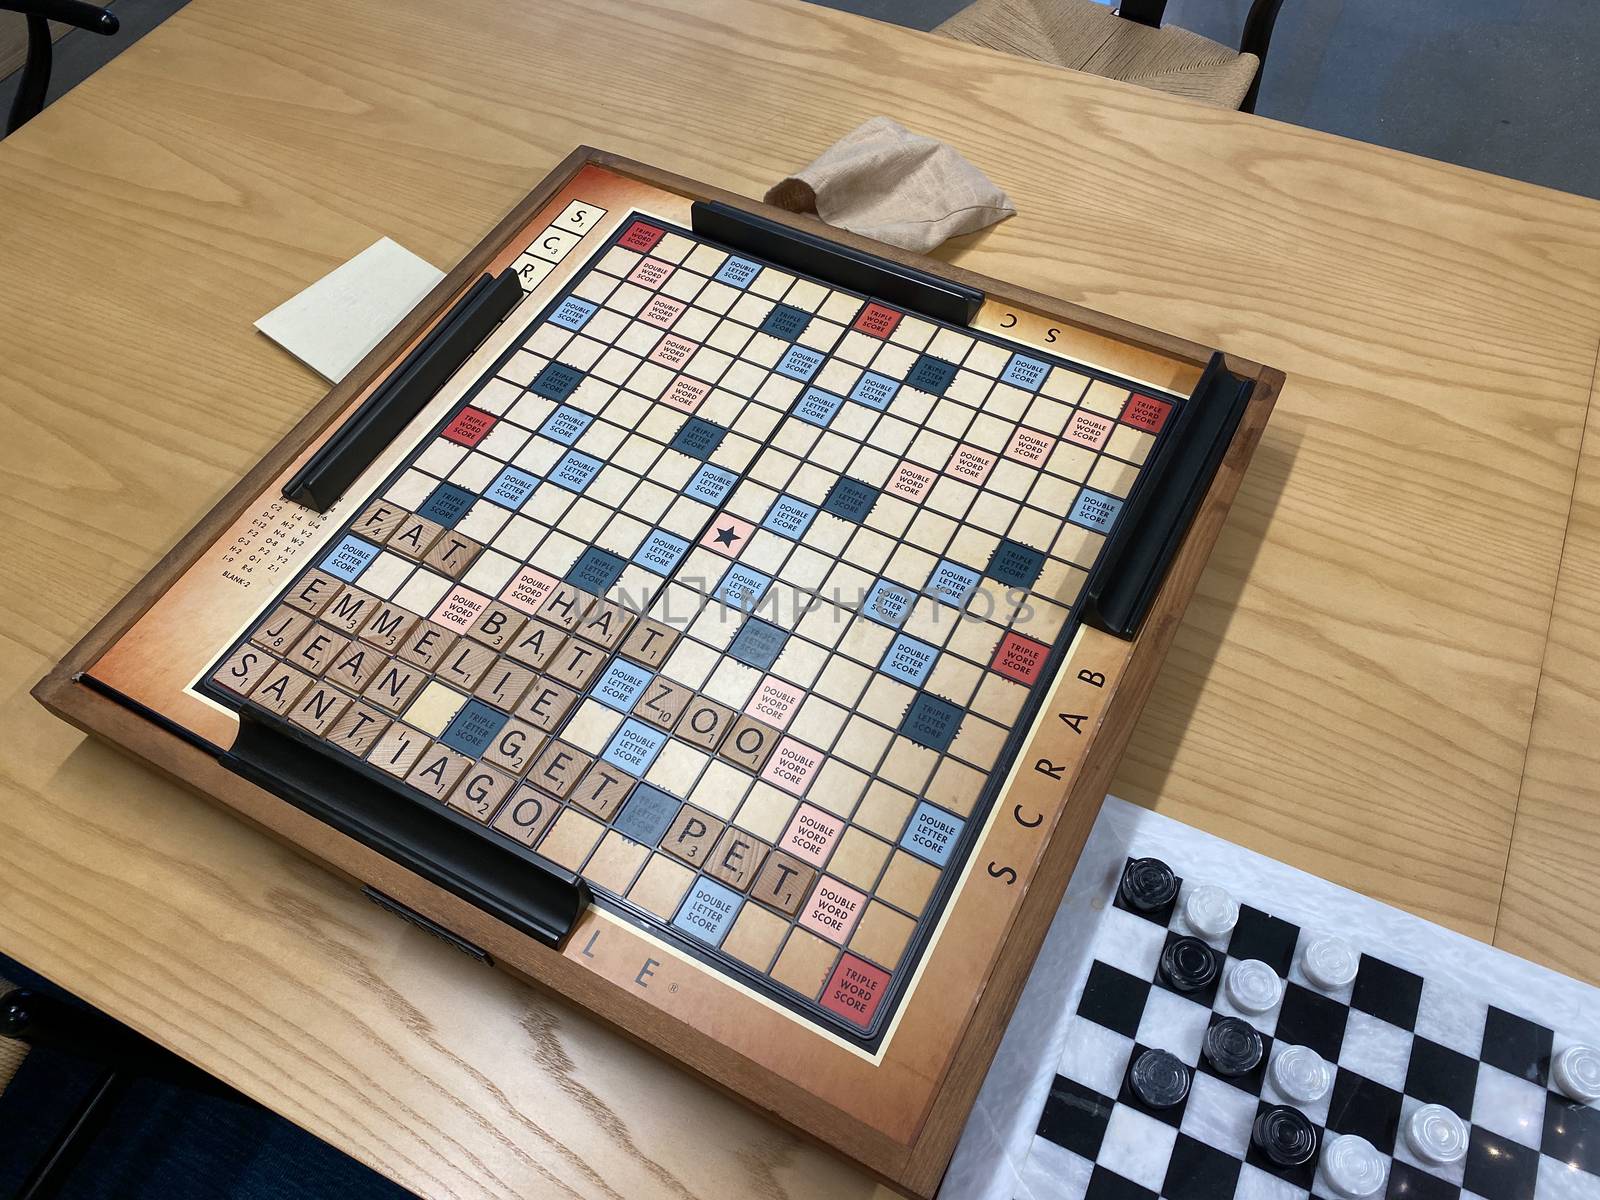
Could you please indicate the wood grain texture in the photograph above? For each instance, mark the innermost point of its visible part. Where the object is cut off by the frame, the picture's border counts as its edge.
(1351, 691)
(1551, 908)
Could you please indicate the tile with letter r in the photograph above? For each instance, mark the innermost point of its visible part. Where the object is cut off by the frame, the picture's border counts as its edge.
(786, 322)
(698, 438)
(850, 499)
(596, 570)
(573, 313)
(930, 374)
(737, 272)
(1025, 372)
(799, 363)
(446, 505)
(556, 382)
(932, 722)
(566, 425)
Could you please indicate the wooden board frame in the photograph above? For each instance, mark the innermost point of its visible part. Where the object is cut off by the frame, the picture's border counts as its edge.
(914, 1165)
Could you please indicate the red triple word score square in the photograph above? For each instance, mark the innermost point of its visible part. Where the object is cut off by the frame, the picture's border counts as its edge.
(855, 989)
(877, 320)
(1020, 658)
(1146, 413)
(469, 427)
(641, 237)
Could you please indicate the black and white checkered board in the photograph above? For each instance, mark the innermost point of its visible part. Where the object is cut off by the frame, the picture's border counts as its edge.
(1396, 1038)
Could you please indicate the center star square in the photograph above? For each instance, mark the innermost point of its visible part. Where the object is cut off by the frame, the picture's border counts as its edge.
(726, 534)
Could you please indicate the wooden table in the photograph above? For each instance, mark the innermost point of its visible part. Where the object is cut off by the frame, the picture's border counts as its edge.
(1389, 675)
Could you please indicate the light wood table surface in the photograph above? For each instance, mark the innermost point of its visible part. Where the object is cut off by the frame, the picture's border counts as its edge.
(1388, 677)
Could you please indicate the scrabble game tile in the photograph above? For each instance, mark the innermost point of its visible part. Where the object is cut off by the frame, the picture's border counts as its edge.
(497, 626)
(526, 814)
(243, 669)
(661, 886)
(605, 624)
(437, 771)
(615, 862)
(279, 687)
(378, 520)
(349, 610)
(858, 858)
(907, 882)
(832, 909)
(602, 790)
(513, 749)
(575, 663)
(415, 537)
(398, 750)
(804, 963)
(736, 858)
(452, 554)
(811, 834)
(748, 743)
(536, 644)
(357, 729)
(565, 606)
(546, 703)
(558, 768)
(854, 990)
(570, 839)
(426, 645)
(318, 707)
(661, 702)
(313, 593)
(356, 665)
(465, 664)
(480, 792)
(692, 835)
(755, 936)
(388, 628)
(281, 630)
(504, 684)
(784, 882)
(704, 723)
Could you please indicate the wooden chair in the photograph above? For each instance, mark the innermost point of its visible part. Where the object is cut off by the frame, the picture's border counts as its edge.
(35, 79)
(1128, 43)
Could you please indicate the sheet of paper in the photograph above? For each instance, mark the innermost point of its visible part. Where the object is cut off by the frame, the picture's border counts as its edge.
(332, 324)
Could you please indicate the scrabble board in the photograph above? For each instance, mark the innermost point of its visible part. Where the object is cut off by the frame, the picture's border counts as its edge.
(1428, 1017)
(748, 612)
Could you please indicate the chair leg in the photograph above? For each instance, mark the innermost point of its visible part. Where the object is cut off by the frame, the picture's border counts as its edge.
(35, 79)
(1257, 40)
(1145, 12)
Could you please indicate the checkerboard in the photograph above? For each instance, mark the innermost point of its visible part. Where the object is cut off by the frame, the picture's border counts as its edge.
(1399, 1036)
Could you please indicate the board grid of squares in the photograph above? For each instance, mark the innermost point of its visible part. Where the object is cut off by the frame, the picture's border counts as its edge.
(725, 590)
